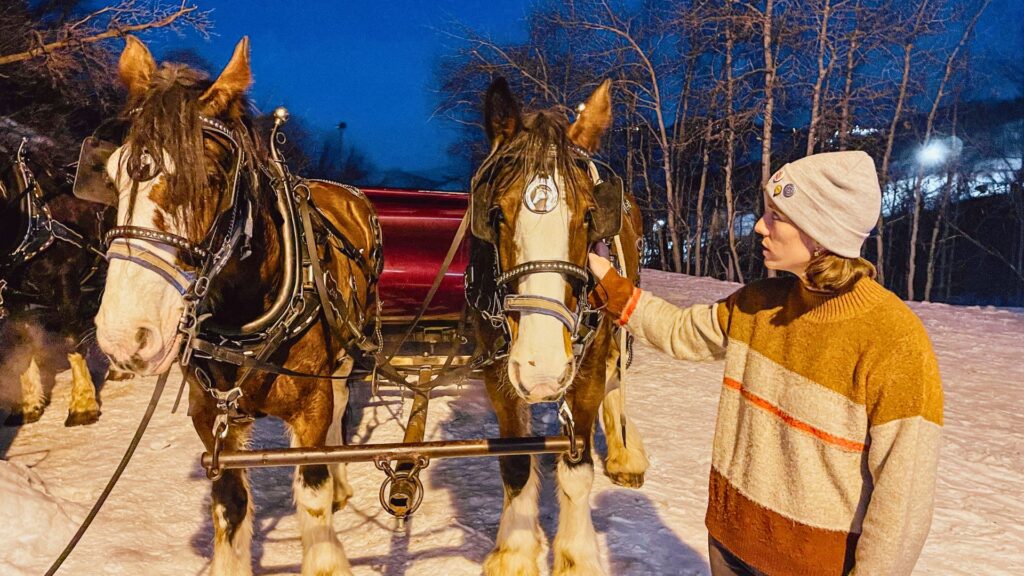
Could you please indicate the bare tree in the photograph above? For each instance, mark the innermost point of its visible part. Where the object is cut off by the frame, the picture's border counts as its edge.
(730, 148)
(912, 35)
(58, 75)
(951, 61)
(825, 53)
(636, 50)
(940, 224)
(706, 161)
(129, 16)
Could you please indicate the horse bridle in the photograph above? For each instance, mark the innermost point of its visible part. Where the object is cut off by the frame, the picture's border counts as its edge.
(496, 306)
(41, 231)
(296, 305)
(202, 260)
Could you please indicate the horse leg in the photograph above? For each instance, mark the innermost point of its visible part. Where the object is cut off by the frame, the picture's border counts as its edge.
(314, 496)
(83, 408)
(230, 502)
(627, 460)
(33, 399)
(575, 544)
(517, 547)
(335, 437)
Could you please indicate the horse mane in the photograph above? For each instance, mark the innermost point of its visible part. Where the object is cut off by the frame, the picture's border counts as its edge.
(167, 117)
(530, 152)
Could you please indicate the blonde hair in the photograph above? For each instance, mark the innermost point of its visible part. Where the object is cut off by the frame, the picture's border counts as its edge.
(829, 272)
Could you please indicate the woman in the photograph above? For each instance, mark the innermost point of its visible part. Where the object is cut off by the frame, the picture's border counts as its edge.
(828, 428)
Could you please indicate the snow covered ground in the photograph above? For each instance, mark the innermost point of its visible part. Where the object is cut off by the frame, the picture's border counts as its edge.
(156, 521)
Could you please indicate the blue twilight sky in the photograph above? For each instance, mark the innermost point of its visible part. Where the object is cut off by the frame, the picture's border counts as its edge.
(369, 64)
(372, 64)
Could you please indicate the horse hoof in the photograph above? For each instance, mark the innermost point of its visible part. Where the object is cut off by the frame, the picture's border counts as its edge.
(342, 494)
(19, 418)
(627, 480)
(340, 502)
(82, 418)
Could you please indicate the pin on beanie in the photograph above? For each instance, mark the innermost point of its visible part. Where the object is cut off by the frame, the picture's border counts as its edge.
(833, 197)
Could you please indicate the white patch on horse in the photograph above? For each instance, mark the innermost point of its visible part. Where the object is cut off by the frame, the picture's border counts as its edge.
(83, 407)
(339, 471)
(139, 312)
(627, 460)
(575, 545)
(33, 397)
(538, 361)
(322, 552)
(231, 558)
(518, 546)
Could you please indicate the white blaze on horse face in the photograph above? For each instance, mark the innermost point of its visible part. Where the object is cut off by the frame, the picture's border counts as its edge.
(540, 367)
(137, 323)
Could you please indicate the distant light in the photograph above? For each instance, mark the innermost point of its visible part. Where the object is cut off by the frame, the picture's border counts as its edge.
(859, 131)
(933, 154)
(661, 222)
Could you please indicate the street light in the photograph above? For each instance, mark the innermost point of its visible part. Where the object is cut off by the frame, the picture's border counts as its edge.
(933, 154)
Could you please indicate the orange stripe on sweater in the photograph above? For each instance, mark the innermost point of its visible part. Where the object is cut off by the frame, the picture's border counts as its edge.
(630, 307)
(793, 422)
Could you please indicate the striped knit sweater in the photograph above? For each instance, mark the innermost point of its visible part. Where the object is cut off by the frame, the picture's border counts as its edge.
(828, 428)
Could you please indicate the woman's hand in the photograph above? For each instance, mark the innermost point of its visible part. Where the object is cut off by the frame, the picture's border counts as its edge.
(599, 265)
(612, 292)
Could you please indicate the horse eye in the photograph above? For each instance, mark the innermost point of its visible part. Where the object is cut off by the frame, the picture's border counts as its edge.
(497, 217)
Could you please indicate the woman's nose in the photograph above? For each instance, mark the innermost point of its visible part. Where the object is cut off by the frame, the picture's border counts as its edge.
(761, 228)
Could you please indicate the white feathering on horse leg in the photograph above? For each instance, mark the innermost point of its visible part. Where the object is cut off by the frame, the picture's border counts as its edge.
(322, 551)
(232, 558)
(517, 548)
(627, 460)
(33, 399)
(339, 472)
(83, 408)
(575, 545)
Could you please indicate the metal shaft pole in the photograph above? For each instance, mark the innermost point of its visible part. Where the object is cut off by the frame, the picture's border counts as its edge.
(394, 451)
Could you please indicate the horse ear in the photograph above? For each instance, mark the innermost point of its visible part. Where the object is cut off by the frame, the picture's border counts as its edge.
(135, 67)
(595, 118)
(501, 112)
(232, 82)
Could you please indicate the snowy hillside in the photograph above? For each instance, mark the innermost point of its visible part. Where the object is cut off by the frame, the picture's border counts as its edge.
(156, 522)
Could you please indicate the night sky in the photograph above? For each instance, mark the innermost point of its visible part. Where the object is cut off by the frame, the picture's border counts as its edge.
(372, 64)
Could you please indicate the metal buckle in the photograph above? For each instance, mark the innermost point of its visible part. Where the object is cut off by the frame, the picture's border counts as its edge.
(574, 456)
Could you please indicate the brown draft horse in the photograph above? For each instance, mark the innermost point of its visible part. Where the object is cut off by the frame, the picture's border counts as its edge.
(174, 178)
(52, 274)
(536, 213)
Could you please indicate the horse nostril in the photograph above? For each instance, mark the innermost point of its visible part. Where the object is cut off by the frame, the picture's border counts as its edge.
(142, 336)
(566, 375)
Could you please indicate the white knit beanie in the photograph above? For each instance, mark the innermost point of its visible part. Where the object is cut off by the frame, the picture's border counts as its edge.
(833, 197)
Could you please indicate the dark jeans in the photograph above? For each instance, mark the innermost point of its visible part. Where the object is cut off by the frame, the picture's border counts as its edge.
(724, 563)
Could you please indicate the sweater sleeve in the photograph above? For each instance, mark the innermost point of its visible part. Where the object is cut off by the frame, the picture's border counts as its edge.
(904, 404)
(693, 333)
